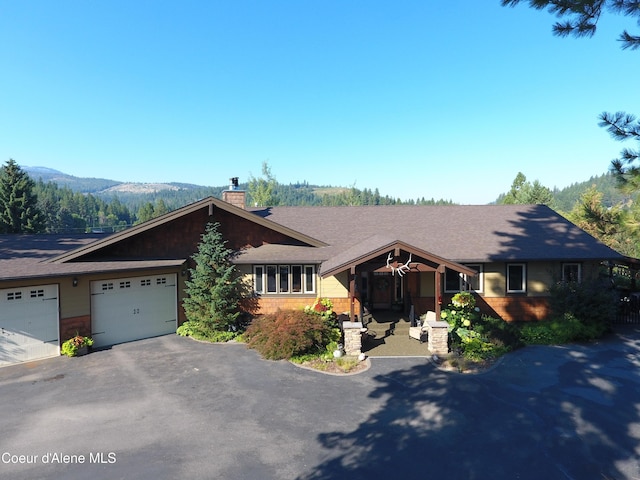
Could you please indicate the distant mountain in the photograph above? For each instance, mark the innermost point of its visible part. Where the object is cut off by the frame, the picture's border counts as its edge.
(77, 184)
(101, 186)
(176, 195)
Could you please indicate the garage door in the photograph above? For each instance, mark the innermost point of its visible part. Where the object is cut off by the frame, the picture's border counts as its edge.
(127, 309)
(28, 324)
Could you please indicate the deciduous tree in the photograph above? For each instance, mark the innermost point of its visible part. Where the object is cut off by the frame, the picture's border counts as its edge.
(262, 190)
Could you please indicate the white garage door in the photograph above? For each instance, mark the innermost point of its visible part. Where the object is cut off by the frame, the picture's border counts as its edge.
(28, 324)
(127, 309)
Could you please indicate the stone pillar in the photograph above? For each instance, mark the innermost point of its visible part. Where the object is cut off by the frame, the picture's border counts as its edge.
(352, 337)
(438, 337)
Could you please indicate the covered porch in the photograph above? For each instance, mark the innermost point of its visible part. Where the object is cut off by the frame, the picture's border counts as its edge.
(387, 335)
(393, 276)
(390, 285)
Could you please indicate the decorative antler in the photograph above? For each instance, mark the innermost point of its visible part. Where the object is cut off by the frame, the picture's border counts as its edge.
(405, 266)
(402, 268)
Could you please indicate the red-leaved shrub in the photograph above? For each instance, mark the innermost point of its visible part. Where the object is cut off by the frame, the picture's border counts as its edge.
(287, 333)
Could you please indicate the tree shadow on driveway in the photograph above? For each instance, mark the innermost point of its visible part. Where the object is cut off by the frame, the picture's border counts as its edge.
(544, 412)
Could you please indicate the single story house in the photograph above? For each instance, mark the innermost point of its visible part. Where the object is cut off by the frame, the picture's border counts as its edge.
(130, 285)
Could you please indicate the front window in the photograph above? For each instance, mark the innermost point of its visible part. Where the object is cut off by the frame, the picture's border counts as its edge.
(516, 278)
(272, 279)
(284, 279)
(459, 282)
(571, 272)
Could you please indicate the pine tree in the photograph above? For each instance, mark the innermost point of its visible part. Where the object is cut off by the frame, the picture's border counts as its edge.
(19, 212)
(214, 289)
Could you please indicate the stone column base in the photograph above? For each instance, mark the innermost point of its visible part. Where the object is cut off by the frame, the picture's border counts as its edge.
(352, 338)
(438, 342)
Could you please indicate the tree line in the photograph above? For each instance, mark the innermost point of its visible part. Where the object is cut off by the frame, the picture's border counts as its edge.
(27, 206)
(598, 206)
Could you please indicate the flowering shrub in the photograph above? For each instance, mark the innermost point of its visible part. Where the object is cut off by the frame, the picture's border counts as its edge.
(475, 336)
(71, 346)
(463, 300)
(322, 307)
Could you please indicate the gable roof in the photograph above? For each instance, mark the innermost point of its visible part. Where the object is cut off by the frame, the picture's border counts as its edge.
(208, 203)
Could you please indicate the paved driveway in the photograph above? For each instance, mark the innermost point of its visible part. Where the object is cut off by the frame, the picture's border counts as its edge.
(169, 407)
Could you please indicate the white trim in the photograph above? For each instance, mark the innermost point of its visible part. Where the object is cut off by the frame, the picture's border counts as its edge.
(305, 271)
(463, 279)
(523, 286)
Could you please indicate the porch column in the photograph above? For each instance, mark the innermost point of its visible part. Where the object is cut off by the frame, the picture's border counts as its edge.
(352, 293)
(438, 289)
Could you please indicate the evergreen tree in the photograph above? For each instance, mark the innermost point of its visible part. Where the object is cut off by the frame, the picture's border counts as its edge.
(19, 211)
(614, 226)
(524, 192)
(213, 292)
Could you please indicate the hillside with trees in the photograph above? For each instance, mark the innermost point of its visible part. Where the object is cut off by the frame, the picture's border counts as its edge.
(597, 205)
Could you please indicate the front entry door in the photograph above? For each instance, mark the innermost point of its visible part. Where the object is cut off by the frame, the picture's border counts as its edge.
(382, 290)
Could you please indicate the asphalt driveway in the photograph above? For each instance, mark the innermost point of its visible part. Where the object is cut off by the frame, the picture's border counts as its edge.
(170, 407)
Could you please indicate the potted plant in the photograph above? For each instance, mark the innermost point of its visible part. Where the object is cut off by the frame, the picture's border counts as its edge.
(76, 346)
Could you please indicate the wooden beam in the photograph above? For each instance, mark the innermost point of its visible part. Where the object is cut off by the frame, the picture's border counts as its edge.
(352, 293)
(438, 289)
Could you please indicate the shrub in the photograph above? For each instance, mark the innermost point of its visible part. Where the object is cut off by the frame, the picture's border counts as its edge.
(70, 347)
(562, 330)
(289, 333)
(592, 302)
(478, 337)
(194, 329)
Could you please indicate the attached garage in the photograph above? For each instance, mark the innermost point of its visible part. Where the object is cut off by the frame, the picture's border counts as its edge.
(28, 323)
(126, 309)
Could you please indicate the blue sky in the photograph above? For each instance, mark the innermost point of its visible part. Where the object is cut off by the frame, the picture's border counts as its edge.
(437, 99)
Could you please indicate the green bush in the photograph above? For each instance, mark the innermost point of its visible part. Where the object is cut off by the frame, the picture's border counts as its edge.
(193, 329)
(560, 331)
(70, 347)
(592, 302)
(477, 337)
(289, 333)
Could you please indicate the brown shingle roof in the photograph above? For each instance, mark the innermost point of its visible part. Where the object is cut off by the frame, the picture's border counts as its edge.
(464, 233)
(26, 256)
(338, 235)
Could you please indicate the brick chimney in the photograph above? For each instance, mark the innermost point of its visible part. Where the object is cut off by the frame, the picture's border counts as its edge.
(234, 195)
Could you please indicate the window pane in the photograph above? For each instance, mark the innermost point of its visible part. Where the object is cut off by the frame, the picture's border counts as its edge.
(473, 283)
(309, 279)
(258, 281)
(515, 278)
(296, 278)
(284, 278)
(451, 281)
(271, 279)
(571, 272)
